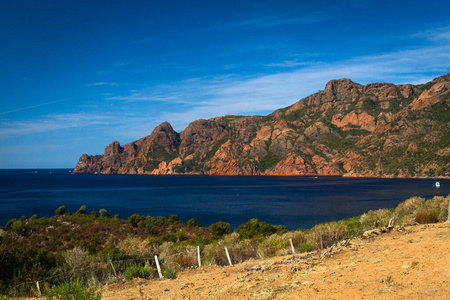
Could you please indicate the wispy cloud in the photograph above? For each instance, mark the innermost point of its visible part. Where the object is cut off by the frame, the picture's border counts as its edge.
(269, 21)
(32, 106)
(103, 83)
(436, 34)
(53, 122)
(289, 64)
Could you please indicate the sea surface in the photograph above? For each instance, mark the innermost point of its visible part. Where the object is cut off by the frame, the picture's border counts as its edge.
(295, 202)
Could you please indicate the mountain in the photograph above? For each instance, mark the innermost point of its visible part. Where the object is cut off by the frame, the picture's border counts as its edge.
(378, 129)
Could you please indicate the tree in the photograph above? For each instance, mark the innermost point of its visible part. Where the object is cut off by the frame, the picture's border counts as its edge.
(82, 210)
(102, 212)
(192, 222)
(60, 211)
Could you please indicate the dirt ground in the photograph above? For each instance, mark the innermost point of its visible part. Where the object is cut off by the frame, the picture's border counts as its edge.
(405, 263)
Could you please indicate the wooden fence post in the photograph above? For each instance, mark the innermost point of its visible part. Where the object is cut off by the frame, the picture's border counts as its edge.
(38, 288)
(321, 241)
(448, 217)
(198, 256)
(292, 246)
(114, 269)
(158, 267)
(228, 255)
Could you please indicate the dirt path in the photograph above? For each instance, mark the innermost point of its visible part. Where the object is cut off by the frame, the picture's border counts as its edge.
(408, 263)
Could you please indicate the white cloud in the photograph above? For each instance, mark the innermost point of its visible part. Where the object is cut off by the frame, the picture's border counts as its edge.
(103, 83)
(52, 122)
(32, 106)
(437, 34)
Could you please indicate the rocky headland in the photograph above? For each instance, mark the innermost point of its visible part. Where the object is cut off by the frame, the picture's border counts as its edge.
(373, 130)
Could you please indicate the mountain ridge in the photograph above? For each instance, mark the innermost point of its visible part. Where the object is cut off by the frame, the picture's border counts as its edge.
(374, 130)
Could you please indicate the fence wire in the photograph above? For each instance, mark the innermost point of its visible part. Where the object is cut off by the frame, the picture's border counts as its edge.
(107, 272)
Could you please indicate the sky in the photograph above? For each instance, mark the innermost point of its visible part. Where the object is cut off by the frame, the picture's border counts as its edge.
(77, 75)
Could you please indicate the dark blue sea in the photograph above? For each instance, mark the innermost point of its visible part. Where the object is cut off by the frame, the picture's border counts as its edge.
(295, 202)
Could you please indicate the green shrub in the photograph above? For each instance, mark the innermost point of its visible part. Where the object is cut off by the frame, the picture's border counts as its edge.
(10, 223)
(305, 247)
(173, 219)
(192, 222)
(138, 271)
(329, 233)
(19, 227)
(220, 228)
(254, 228)
(134, 220)
(169, 274)
(272, 246)
(102, 212)
(82, 210)
(71, 290)
(376, 218)
(60, 211)
(239, 250)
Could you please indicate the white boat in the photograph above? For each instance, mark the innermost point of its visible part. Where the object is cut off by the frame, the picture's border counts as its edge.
(437, 184)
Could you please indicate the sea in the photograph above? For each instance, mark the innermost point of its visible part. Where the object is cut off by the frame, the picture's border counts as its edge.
(292, 201)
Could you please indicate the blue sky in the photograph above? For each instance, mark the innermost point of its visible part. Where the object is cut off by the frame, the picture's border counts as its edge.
(76, 75)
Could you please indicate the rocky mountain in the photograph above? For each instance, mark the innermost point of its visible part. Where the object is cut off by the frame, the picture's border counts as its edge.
(378, 129)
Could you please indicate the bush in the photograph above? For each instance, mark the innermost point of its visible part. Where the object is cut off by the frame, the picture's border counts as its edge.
(77, 261)
(102, 212)
(192, 222)
(239, 250)
(178, 257)
(169, 274)
(60, 211)
(419, 210)
(332, 232)
(135, 247)
(173, 219)
(138, 271)
(71, 290)
(82, 210)
(305, 247)
(220, 228)
(425, 218)
(376, 218)
(254, 228)
(10, 223)
(19, 227)
(272, 246)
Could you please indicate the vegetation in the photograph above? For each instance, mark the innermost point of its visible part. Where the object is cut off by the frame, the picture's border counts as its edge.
(81, 246)
(138, 271)
(74, 290)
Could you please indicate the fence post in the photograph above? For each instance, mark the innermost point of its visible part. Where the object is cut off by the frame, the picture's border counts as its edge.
(114, 269)
(391, 222)
(321, 241)
(158, 267)
(448, 217)
(198, 255)
(228, 256)
(292, 246)
(38, 288)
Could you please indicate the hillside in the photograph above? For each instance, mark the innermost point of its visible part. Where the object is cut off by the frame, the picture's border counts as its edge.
(410, 262)
(378, 129)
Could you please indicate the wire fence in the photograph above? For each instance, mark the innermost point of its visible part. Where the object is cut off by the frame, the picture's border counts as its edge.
(107, 272)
